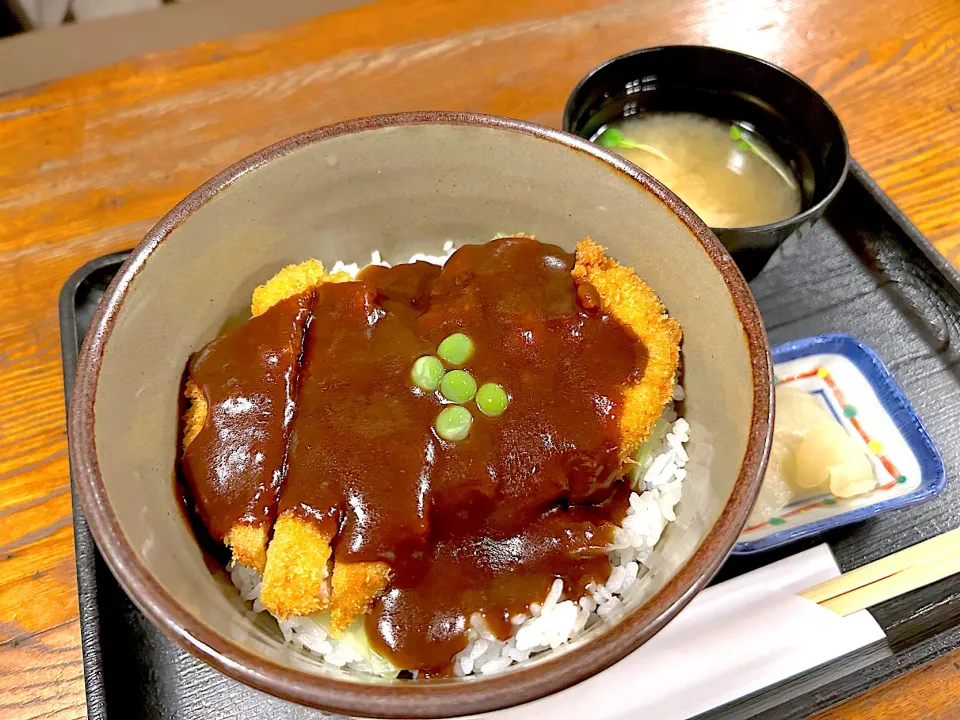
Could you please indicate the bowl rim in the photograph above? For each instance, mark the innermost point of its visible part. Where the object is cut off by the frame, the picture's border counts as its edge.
(817, 209)
(442, 697)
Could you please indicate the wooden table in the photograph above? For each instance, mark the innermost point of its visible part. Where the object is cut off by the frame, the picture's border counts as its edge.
(89, 163)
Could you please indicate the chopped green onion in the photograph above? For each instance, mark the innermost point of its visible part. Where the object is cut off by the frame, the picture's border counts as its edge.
(456, 349)
(613, 138)
(744, 143)
(458, 386)
(453, 423)
(427, 372)
(492, 399)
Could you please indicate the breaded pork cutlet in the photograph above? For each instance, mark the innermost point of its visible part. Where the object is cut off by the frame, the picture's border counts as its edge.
(633, 303)
(295, 579)
(295, 582)
(299, 575)
(295, 563)
(235, 427)
(248, 543)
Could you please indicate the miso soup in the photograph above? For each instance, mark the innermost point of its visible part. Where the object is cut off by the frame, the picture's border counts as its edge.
(727, 174)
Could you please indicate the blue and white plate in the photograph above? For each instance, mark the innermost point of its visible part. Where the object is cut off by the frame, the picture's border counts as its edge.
(852, 382)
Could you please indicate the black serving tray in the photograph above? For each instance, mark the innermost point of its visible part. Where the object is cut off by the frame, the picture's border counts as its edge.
(864, 270)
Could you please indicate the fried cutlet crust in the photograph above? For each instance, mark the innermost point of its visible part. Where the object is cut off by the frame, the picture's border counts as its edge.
(297, 567)
(249, 545)
(292, 280)
(295, 581)
(355, 585)
(633, 303)
(195, 415)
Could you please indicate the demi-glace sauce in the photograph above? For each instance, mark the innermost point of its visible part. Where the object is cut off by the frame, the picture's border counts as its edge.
(483, 525)
(235, 465)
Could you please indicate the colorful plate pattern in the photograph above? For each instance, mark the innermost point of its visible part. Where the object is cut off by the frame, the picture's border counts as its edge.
(852, 382)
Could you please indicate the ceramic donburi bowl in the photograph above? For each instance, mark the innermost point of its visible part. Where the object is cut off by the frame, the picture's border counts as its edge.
(399, 184)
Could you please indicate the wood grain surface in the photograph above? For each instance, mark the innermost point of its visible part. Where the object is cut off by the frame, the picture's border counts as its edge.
(927, 693)
(87, 165)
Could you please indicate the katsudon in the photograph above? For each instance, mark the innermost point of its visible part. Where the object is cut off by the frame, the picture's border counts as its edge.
(439, 468)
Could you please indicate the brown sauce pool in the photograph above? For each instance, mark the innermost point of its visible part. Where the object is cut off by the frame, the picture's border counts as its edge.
(313, 410)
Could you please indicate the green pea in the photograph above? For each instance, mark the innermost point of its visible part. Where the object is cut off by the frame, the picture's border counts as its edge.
(456, 349)
(453, 423)
(427, 372)
(492, 399)
(458, 386)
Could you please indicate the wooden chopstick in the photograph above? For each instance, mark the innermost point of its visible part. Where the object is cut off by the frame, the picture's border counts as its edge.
(894, 575)
(884, 567)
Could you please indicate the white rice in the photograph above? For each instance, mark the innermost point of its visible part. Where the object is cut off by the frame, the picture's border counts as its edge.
(657, 480)
(657, 484)
(377, 259)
